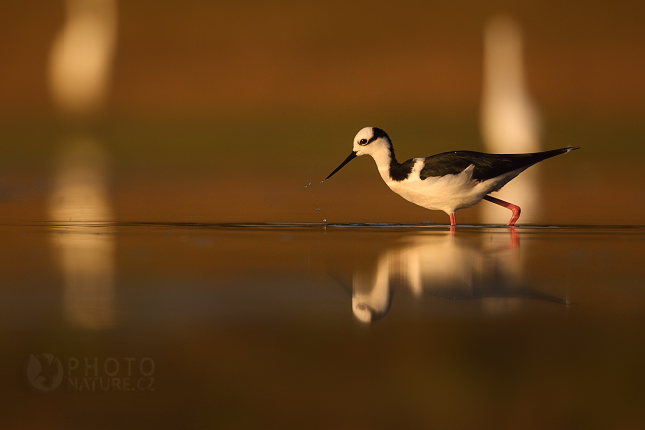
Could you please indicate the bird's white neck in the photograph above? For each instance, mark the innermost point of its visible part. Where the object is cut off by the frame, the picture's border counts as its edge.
(383, 158)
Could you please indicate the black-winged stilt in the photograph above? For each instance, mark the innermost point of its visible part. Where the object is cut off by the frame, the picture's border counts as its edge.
(449, 181)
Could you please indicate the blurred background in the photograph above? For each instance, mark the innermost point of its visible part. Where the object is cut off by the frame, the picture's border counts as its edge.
(159, 114)
(221, 111)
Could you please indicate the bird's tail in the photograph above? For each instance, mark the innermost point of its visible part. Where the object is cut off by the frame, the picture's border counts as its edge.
(539, 156)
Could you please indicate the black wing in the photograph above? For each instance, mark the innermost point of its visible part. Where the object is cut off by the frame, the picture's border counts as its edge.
(487, 166)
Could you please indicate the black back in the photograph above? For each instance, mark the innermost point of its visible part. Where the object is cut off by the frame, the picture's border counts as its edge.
(487, 166)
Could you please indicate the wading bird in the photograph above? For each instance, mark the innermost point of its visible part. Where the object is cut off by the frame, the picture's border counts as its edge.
(449, 181)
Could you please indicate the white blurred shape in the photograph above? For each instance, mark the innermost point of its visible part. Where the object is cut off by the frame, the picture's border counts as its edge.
(79, 68)
(509, 120)
(81, 55)
(80, 191)
(85, 250)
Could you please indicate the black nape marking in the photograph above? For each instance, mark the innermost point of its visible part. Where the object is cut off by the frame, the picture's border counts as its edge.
(398, 171)
(377, 133)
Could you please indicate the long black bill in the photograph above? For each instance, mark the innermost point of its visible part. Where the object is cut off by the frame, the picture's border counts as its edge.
(347, 160)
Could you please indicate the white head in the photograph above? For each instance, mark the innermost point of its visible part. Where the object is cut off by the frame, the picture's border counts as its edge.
(371, 140)
(368, 141)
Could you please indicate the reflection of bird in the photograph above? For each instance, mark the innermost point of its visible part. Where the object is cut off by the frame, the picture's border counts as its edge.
(439, 263)
(49, 369)
(448, 181)
(372, 292)
(444, 266)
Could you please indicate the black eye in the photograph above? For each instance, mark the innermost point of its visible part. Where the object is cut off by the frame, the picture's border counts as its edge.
(363, 142)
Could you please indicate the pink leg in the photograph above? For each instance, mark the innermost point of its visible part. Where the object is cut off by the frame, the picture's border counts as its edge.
(453, 223)
(516, 209)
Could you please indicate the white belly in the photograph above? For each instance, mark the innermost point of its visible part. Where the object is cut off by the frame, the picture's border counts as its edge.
(447, 193)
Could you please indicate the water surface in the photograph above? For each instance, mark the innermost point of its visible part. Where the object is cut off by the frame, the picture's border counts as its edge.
(321, 325)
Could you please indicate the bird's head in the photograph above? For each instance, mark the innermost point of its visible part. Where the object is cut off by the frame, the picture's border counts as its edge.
(368, 141)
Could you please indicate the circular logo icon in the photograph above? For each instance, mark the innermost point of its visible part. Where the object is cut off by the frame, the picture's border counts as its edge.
(44, 372)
